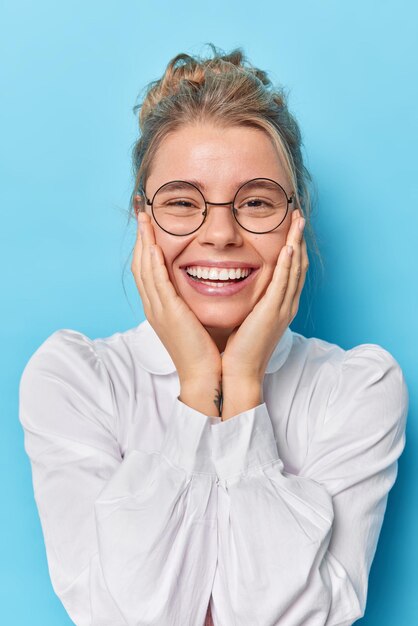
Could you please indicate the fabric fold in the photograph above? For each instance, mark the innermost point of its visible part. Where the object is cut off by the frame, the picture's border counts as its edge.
(198, 511)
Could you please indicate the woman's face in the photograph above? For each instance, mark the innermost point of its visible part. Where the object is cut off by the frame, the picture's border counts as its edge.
(220, 160)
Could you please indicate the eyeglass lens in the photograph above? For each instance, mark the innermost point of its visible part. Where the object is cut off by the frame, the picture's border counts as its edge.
(259, 206)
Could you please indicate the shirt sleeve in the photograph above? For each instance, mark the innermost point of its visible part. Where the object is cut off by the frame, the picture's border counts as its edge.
(297, 549)
(129, 540)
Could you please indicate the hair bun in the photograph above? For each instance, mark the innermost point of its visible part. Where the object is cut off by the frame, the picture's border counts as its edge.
(184, 70)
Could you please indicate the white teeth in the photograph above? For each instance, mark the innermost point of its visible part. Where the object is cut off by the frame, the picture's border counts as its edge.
(213, 273)
(224, 275)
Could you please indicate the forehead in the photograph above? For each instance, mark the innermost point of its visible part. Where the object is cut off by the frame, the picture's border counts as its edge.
(218, 157)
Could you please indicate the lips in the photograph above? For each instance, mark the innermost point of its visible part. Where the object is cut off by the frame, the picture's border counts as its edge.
(218, 288)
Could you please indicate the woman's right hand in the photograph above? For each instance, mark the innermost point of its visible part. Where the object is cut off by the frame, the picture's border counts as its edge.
(193, 351)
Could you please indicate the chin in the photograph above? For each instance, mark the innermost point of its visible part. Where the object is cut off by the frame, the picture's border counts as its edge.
(220, 320)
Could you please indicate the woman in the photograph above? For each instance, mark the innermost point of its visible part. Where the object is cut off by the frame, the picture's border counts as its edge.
(211, 463)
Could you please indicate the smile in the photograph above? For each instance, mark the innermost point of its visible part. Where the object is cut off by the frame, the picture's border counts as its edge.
(219, 281)
(217, 273)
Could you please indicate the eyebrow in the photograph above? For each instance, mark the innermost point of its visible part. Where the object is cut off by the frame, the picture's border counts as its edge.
(197, 183)
(179, 184)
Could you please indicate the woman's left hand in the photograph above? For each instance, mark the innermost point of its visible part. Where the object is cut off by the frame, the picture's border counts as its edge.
(251, 345)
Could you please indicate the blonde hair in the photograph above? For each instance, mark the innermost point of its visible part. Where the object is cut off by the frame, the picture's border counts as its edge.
(225, 90)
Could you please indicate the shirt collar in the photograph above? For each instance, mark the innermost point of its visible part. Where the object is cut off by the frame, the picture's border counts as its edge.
(154, 357)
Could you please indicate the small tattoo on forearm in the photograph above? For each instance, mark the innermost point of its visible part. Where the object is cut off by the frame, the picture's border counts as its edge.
(218, 398)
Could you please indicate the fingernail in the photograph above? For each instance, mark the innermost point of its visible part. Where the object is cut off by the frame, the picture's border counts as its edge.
(289, 250)
(302, 223)
(141, 226)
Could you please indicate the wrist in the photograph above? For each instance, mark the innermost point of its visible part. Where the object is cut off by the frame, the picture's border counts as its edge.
(239, 395)
(202, 394)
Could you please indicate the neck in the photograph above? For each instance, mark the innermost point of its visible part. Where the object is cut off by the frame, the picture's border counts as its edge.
(219, 336)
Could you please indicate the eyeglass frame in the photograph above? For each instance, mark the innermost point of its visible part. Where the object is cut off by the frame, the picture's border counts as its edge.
(234, 210)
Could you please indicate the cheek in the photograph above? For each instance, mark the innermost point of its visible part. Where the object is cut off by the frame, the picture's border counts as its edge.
(272, 247)
(166, 246)
(171, 247)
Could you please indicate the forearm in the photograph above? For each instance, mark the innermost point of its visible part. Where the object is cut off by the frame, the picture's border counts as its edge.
(240, 395)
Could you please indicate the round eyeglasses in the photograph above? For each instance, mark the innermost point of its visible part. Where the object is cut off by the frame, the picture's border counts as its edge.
(259, 206)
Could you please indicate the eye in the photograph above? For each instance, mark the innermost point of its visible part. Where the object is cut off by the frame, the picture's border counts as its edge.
(180, 202)
(256, 202)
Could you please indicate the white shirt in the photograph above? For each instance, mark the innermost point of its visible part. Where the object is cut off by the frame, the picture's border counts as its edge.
(152, 510)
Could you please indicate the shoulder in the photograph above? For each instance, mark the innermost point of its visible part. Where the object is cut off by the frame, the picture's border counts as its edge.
(64, 350)
(71, 350)
(365, 379)
(372, 379)
(368, 358)
(102, 371)
(67, 398)
(70, 369)
(371, 370)
(64, 374)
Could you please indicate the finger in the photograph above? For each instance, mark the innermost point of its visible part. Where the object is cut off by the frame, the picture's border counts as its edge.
(138, 242)
(138, 260)
(281, 276)
(135, 266)
(305, 265)
(295, 237)
(162, 282)
(277, 288)
(146, 271)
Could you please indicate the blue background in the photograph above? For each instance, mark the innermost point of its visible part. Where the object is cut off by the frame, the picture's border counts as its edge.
(71, 73)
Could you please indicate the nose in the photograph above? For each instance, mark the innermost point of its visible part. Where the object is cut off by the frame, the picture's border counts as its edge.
(220, 227)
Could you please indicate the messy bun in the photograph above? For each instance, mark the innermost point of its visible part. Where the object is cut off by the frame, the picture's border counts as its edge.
(226, 90)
